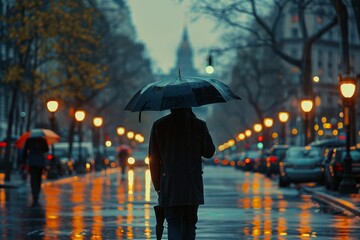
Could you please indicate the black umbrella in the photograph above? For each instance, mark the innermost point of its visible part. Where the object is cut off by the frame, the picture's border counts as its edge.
(160, 217)
(180, 92)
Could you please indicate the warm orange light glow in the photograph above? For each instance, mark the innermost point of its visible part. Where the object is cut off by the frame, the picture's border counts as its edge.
(97, 121)
(283, 116)
(268, 122)
(120, 131)
(257, 127)
(307, 105)
(80, 115)
(248, 133)
(52, 105)
(130, 135)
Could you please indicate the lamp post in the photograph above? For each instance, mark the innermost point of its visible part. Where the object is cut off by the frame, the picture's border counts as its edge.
(306, 106)
(52, 107)
(97, 121)
(283, 118)
(130, 136)
(209, 68)
(80, 116)
(347, 89)
(268, 123)
(120, 131)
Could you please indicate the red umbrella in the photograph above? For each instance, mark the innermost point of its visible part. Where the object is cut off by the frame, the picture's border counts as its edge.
(50, 136)
(124, 147)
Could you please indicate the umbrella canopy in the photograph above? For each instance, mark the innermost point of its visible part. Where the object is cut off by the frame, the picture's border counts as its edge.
(180, 92)
(50, 136)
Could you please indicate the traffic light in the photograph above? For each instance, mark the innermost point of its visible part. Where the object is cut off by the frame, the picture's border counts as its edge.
(260, 144)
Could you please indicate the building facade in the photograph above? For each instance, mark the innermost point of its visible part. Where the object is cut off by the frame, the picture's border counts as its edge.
(326, 67)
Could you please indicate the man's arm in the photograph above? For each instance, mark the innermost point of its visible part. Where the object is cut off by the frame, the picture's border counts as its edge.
(155, 159)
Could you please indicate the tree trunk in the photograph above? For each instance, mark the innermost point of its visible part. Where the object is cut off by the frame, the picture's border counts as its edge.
(356, 8)
(8, 162)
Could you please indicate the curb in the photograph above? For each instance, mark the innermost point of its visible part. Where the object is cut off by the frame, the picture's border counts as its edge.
(338, 202)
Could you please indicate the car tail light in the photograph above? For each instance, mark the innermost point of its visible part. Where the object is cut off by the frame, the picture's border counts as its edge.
(49, 157)
(247, 160)
(272, 159)
(338, 167)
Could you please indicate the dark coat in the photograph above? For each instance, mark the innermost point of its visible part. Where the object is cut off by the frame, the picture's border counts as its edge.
(34, 152)
(177, 144)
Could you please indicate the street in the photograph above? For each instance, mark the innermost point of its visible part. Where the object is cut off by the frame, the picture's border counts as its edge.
(238, 205)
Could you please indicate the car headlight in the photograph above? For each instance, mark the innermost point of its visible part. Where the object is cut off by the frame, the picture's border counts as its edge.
(147, 161)
(131, 160)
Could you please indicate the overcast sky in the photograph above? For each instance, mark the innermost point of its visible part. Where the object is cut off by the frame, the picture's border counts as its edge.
(160, 24)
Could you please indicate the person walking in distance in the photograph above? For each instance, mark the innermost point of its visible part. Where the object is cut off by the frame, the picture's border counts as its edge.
(177, 144)
(34, 154)
(123, 154)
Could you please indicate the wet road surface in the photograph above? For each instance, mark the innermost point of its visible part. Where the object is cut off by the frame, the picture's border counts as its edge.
(238, 205)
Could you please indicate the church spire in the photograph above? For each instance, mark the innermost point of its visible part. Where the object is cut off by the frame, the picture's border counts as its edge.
(184, 59)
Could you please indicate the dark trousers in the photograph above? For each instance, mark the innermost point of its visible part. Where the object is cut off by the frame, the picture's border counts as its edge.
(181, 222)
(35, 182)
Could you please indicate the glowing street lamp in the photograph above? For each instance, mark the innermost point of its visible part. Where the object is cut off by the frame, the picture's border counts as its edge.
(283, 118)
(209, 68)
(80, 116)
(257, 127)
(348, 89)
(307, 105)
(268, 123)
(52, 107)
(97, 121)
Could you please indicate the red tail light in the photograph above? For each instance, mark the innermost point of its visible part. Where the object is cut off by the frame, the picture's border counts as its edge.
(273, 159)
(338, 167)
(49, 156)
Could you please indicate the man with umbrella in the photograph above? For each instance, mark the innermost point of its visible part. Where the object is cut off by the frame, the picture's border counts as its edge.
(177, 144)
(178, 141)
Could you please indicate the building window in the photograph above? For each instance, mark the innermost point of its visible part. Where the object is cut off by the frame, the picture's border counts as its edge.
(295, 18)
(319, 20)
(330, 35)
(294, 52)
(294, 32)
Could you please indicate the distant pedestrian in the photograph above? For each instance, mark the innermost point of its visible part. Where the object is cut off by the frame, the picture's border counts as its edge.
(177, 144)
(34, 154)
(123, 154)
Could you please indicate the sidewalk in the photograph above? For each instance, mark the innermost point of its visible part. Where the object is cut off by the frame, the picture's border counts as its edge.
(346, 202)
(16, 180)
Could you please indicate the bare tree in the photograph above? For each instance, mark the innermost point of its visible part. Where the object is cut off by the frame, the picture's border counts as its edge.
(269, 16)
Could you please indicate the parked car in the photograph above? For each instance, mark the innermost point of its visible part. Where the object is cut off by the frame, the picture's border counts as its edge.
(334, 165)
(247, 159)
(87, 155)
(270, 163)
(138, 158)
(301, 165)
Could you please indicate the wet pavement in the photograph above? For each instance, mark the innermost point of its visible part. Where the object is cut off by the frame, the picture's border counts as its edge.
(102, 205)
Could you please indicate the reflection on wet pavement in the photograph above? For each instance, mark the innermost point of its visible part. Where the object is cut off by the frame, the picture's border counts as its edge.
(238, 205)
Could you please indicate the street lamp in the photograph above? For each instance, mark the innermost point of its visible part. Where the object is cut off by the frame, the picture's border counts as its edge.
(209, 68)
(52, 107)
(120, 131)
(97, 121)
(80, 116)
(257, 127)
(268, 123)
(306, 106)
(347, 89)
(283, 118)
